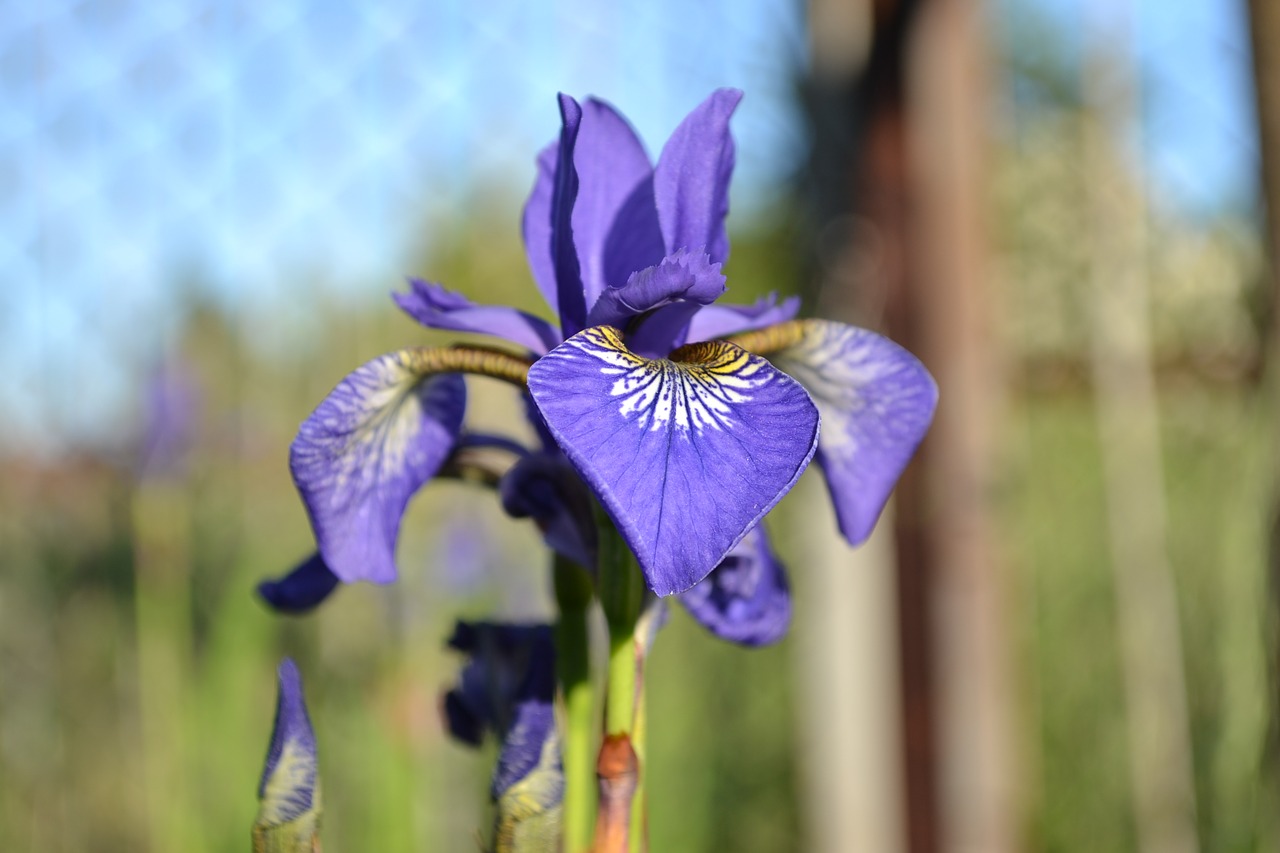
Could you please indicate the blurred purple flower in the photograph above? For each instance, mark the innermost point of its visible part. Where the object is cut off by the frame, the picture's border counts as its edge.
(171, 413)
(507, 689)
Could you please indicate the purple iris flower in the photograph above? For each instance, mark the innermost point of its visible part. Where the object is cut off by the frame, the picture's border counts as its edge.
(686, 439)
(507, 688)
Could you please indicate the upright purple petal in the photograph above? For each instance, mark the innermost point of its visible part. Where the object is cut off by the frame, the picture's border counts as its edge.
(383, 432)
(536, 226)
(877, 402)
(564, 252)
(719, 321)
(437, 308)
(615, 225)
(635, 237)
(746, 599)
(303, 589)
(684, 276)
(691, 180)
(686, 454)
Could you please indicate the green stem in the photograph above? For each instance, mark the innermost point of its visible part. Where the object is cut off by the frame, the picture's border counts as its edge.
(621, 596)
(621, 697)
(639, 833)
(573, 595)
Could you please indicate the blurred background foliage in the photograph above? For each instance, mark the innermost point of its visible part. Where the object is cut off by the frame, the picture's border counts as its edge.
(136, 665)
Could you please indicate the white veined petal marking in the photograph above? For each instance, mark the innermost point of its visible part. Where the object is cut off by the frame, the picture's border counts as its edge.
(696, 392)
(838, 364)
(376, 421)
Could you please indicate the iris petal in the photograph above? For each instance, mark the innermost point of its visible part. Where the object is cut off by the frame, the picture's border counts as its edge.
(290, 788)
(359, 457)
(746, 599)
(544, 487)
(303, 589)
(691, 180)
(536, 226)
(437, 308)
(686, 454)
(718, 321)
(615, 225)
(877, 402)
(564, 253)
(688, 276)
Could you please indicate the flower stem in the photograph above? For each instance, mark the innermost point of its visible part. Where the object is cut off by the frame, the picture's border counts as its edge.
(639, 830)
(621, 697)
(621, 596)
(573, 595)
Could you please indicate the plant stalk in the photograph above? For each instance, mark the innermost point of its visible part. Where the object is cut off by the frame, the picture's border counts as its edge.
(621, 596)
(573, 661)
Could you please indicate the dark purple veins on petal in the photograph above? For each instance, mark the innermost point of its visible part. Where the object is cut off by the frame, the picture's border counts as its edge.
(686, 456)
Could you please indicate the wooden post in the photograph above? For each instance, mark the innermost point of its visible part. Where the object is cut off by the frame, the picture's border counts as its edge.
(903, 251)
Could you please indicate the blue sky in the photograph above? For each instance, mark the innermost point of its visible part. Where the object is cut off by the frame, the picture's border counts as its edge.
(279, 148)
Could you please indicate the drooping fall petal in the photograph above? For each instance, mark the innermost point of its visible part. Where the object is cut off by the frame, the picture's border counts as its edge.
(303, 589)
(687, 454)
(877, 401)
(358, 458)
(746, 599)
